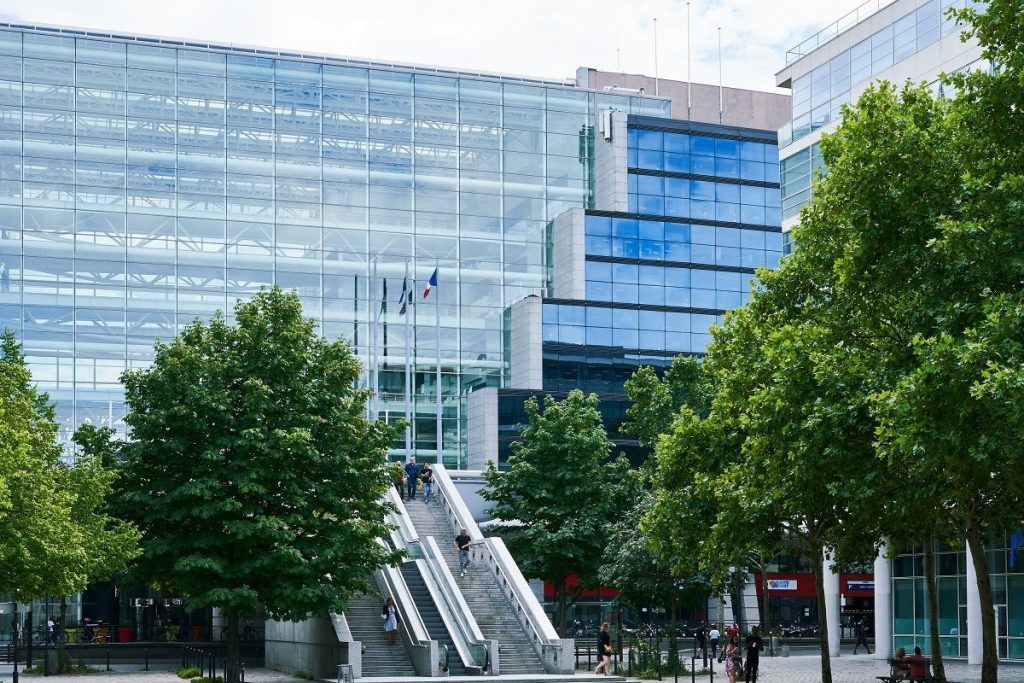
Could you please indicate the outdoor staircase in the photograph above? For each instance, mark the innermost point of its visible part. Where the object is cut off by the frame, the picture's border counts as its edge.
(488, 605)
(379, 658)
(431, 616)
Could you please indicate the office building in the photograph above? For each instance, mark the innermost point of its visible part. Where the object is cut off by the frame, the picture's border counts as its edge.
(896, 40)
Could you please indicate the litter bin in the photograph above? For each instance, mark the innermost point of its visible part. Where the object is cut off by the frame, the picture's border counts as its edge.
(197, 633)
(775, 643)
(72, 635)
(125, 634)
(101, 634)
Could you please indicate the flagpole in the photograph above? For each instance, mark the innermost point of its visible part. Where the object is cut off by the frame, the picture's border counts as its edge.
(408, 366)
(376, 353)
(437, 332)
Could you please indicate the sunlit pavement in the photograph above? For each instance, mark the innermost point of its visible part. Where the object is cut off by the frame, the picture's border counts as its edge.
(850, 668)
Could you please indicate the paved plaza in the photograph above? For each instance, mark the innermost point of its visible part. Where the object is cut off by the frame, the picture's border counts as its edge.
(796, 669)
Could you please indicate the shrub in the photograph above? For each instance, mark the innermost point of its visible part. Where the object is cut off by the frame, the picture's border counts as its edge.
(188, 672)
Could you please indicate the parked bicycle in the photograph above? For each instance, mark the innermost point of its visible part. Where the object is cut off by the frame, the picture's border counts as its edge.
(246, 631)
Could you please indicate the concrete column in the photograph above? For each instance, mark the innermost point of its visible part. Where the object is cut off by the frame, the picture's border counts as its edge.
(831, 607)
(974, 645)
(482, 428)
(527, 366)
(883, 604)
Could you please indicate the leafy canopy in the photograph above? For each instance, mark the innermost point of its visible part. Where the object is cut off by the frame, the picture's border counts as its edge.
(55, 533)
(251, 468)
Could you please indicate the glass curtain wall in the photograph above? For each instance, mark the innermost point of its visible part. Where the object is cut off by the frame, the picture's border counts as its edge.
(145, 185)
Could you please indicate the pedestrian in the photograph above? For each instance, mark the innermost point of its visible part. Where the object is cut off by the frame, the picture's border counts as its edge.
(917, 665)
(412, 475)
(700, 637)
(733, 661)
(462, 543)
(604, 649)
(15, 629)
(389, 613)
(427, 477)
(754, 645)
(861, 629)
(733, 631)
(398, 475)
(713, 636)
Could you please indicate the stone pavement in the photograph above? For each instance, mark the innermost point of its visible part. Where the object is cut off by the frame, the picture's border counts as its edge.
(848, 668)
(795, 669)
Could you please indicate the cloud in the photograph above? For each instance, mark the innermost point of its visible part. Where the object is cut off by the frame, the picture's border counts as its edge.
(548, 38)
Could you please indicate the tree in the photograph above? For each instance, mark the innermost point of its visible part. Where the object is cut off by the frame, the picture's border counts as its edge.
(642, 576)
(559, 497)
(251, 468)
(55, 533)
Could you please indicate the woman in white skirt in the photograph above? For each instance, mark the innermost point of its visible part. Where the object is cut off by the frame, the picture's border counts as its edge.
(389, 613)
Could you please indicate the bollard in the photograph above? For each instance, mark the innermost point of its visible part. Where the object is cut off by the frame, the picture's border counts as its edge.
(108, 659)
(147, 658)
(14, 673)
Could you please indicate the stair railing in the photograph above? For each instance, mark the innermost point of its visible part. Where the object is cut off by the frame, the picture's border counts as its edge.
(555, 653)
(471, 647)
(422, 650)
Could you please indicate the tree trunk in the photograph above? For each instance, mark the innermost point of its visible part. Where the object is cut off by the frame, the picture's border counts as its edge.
(989, 660)
(231, 668)
(62, 663)
(938, 668)
(819, 590)
(766, 620)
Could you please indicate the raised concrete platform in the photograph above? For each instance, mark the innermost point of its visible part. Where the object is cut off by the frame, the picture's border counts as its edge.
(510, 678)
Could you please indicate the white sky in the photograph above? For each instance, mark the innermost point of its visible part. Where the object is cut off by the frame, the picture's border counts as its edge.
(547, 38)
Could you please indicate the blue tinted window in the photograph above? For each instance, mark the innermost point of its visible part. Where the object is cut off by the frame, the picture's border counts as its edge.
(727, 192)
(652, 320)
(600, 271)
(599, 246)
(677, 322)
(728, 237)
(599, 291)
(650, 159)
(652, 230)
(626, 338)
(653, 205)
(677, 208)
(599, 317)
(598, 225)
(651, 339)
(677, 187)
(599, 336)
(702, 279)
(677, 277)
(702, 145)
(651, 275)
(652, 249)
(676, 142)
(625, 272)
(752, 195)
(677, 251)
(677, 163)
(569, 334)
(652, 295)
(702, 189)
(752, 151)
(625, 248)
(571, 315)
(649, 139)
(650, 184)
(727, 148)
(624, 227)
(625, 293)
(625, 318)
(677, 232)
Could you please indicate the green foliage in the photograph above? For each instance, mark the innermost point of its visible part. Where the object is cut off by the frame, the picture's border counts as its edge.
(188, 672)
(306, 676)
(251, 467)
(656, 398)
(563, 489)
(55, 536)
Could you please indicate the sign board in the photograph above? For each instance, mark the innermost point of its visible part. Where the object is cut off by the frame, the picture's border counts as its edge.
(860, 585)
(782, 584)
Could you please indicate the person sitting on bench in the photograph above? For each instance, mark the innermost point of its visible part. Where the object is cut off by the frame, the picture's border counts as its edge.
(900, 667)
(918, 665)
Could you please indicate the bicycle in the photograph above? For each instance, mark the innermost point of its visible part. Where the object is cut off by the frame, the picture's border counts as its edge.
(246, 631)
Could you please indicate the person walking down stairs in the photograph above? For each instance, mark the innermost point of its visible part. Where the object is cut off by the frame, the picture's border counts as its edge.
(462, 543)
(389, 613)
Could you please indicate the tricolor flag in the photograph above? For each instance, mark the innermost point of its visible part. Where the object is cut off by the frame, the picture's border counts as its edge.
(432, 282)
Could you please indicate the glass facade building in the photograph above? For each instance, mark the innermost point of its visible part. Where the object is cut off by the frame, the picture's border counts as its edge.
(658, 272)
(146, 182)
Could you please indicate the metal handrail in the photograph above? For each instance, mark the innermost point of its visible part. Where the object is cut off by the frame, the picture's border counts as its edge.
(844, 22)
(392, 583)
(444, 592)
(493, 553)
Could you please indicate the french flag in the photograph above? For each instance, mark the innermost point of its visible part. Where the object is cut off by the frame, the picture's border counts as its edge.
(432, 282)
